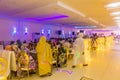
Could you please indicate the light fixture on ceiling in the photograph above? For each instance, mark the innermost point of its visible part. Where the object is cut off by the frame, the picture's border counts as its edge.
(117, 21)
(118, 24)
(117, 18)
(84, 27)
(115, 13)
(113, 5)
(70, 8)
(93, 20)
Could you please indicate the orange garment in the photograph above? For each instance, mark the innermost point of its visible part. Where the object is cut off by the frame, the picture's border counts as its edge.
(8, 47)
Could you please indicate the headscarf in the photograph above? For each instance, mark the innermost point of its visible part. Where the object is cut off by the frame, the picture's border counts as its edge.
(41, 44)
(42, 40)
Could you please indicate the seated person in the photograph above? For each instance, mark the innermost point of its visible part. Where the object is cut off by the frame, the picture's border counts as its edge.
(62, 56)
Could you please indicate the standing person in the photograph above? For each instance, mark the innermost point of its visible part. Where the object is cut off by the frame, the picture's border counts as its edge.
(35, 42)
(19, 44)
(78, 49)
(44, 56)
(94, 42)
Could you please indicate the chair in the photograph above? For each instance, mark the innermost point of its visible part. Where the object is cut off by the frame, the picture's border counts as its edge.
(54, 56)
(27, 60)
(3, 68)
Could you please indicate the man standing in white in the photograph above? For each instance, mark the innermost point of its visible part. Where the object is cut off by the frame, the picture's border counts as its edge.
(78, 50)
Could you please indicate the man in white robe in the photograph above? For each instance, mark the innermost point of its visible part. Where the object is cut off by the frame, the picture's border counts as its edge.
(78, 50)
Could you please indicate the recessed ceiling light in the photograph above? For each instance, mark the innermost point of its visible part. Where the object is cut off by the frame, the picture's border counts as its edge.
(118, 23)
(115, 13)
(117, 18)
(113, 5)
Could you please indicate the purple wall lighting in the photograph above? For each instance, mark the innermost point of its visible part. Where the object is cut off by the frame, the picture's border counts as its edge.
(63, 32)
(85, 27)
(26, 31)
(48, 34)
(48, 18)
(49, 31)
(14, 31)
(69, 32)
(42, 31)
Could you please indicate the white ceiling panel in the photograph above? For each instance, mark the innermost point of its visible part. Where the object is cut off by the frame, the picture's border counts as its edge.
(41, 9)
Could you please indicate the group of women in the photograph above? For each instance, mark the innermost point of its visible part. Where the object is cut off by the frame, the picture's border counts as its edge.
(40, 55)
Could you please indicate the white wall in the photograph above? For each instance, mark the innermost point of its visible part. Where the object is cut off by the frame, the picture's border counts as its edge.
(6, 30)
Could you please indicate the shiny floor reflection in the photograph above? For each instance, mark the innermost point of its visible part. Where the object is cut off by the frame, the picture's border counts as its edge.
(104, 65)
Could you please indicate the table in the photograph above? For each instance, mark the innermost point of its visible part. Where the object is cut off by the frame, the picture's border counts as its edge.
(10, 57)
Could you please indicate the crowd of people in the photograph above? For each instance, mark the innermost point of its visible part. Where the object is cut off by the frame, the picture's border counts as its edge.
(40, 55)
(35, 54)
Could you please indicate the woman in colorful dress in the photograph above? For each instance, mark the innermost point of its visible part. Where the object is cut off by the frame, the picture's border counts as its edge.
(22, 62)
(62, 56)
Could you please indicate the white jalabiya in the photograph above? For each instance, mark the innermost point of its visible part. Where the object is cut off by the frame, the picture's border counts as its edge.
(78, 50)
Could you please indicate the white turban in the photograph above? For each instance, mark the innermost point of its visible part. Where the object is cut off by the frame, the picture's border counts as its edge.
(80, 35)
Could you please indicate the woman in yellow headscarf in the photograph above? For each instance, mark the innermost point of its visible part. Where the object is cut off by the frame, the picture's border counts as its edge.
(44, 56)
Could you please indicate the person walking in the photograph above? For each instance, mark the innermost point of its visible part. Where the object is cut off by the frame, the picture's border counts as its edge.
(78, 50)
(44, 55)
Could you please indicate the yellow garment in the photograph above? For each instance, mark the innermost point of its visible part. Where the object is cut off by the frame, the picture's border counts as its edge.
(26, 58)
(3, 71)
(44, 56)
(0, 67)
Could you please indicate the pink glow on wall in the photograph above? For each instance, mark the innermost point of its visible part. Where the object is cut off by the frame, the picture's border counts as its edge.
(14, 31)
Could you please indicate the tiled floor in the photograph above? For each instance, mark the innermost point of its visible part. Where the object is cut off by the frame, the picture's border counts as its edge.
(104, 65)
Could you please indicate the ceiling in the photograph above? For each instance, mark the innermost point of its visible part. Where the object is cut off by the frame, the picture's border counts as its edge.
(48, 11)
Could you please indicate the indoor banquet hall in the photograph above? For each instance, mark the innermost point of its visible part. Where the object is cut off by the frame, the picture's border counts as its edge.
(59, 39)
